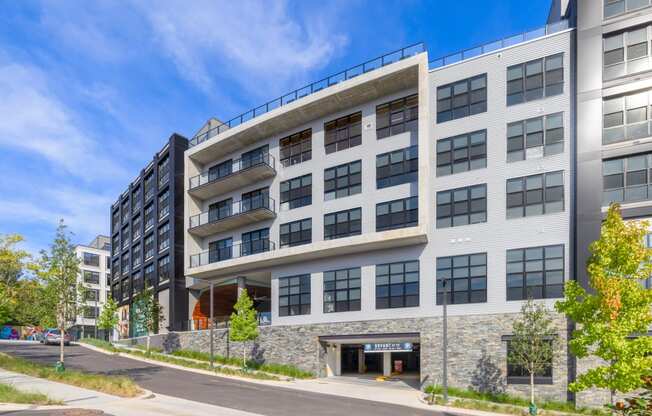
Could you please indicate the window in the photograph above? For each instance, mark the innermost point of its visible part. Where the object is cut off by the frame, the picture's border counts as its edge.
(164, 171)
(255, 242)
(535, 272)
(616, 7)
(535, 79)
(296, 233)
(149, 216)
(115, 219)
(220, 170)
(220, 210)
(149, 246)
(400, 213)
(535, 137)
(465, 277)
(461, 153)
(342, 224)
(164, 204)
(626, 53)
(91, 312)
(125, 289)
(294, 295)
(342, 290)
(626, 118)
(296, 148)
(115, 248)
(462, 99)
(148, 183)
(164, 269)
(126, 239)
(397, 285)
(519, 375)
(135, 228)
(91, 295)
(149, 275)
(343, 133)
(462, 206)
(296, 192)
(254, 157)
(136, 203)
(136, 256)
(115, 292)
(397, 116)
(343, 180)
(107, 263)
(535, 195)
(164, 236)
(137, 282)
(627, 179)
(115, 269)
(255, 200)
(397, 167)
(91, 277)
(91, 259)
(125, 212)
(220, 250)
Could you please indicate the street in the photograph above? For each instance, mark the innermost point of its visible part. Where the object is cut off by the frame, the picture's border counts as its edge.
(220, 391)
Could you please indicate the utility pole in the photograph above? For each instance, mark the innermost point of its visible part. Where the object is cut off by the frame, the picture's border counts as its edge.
(212, 324)
(445, 342)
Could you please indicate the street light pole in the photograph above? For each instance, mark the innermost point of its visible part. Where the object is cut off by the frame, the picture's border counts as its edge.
(212, 324)
(445, 343)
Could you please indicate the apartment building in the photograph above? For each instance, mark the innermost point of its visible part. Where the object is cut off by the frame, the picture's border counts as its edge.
(95, 276)
(147, 240)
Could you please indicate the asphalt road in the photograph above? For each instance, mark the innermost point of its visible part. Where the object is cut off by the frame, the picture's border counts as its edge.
(235, 394)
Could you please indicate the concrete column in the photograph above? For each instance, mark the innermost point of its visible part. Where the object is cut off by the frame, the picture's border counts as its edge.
(333, 361)
(338, 360)
(242, 284)
(361, 361)
(387, 364)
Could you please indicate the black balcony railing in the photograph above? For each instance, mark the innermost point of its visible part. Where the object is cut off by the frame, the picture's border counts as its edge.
(245, 248)
(238, 165)
(231, 210)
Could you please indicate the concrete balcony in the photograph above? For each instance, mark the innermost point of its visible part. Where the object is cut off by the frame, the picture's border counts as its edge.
(239, 174)
(234, 215)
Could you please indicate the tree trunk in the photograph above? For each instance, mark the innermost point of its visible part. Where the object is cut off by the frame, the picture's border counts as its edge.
(532, 387)
(147, 342)
(63, 334)
(244, 355)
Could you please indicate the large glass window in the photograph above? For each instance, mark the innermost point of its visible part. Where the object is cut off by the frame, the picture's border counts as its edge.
(149, 216)
(91, 259)
(343, 133)
(164, 204)
(91, 277)
(149, 185)
(535, 272)
(462, 206)
(255, 242)
(535, 137)
(254, 157)
(465, 278)
(149, 275)
(296, 233)
(397, 116)
(296, 148)
(397, 285)
(517, 374)
(626, 53)
(462, 153)
(535, 195)
(343, 224)
(296, 192)
(627, 179)
(164, 271)
(400, 213)
(164, 236)
(342, 290)
(220, 250)
(255, 200)
(220, 170)
(535, 79)
(125, 263)
(343, 180)
(164, 171)
(136, 228)
(149, 246)
(397, 167)
(616, 7)
(462, 98)
(220, 210)
(626, 117)
(136, 202)
(126, 238)
(136, 256)
(294, 295)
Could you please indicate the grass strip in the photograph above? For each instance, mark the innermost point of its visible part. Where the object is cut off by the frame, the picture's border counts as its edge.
(115, 385)
(10, 394)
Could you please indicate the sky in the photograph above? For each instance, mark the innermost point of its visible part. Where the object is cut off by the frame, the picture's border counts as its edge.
(89, 91)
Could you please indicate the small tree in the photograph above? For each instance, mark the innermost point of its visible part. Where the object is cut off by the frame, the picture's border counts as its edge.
(619, 308)
(150, 311)
(533, 342)
(108, 318)
(243, 323)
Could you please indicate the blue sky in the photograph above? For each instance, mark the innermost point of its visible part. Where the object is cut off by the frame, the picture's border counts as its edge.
(89, 91)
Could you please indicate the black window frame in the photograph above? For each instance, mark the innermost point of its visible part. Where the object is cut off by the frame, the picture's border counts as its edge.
(450, 209)
(462, 153)
(148, 246)
(392, 173)
(259, 244)
(461, 273)
(91, 277)
(343, 133)
(91, 259)
(633, 176)
(342, 290)
(463, 98)
(150, 218)
(296, 196)
(163, 269)
(220, 250)
(519, 375)
(136, 230)
(300, 299)
(301, 236)
(406, 216)
(220, 210)
(391, 291)
(627, 117)
(163, 239)
(548, 196)
(136, 256)
(295, 148)
(163, 171)
(528, 271)
(535, 80)
(535, 133)
(163, 204)
(343, 180)
(397, 116)
(150, 275)
(352, 226)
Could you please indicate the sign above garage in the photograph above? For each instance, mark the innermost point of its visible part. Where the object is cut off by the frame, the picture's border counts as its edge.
(388, 347)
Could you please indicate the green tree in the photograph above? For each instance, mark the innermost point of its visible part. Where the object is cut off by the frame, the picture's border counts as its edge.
(618, 308)
(533, 342)
(6, 304)
(243, 323)
(58, 270)
(149, 311)
(12, 260)
(29, 296)
(108, 318)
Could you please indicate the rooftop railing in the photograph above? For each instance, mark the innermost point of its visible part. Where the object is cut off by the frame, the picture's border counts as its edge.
(499, 44)
(371, 65)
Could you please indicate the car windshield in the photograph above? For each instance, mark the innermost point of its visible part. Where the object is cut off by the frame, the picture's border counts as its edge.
(55, 332)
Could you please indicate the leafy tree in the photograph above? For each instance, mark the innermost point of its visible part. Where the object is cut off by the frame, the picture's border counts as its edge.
(534, 341)
(243, 323)
(108, 318)
(12, 260)
(29, 296)
(618, 308)
(149, 311)
(7, 303)
(58, 270)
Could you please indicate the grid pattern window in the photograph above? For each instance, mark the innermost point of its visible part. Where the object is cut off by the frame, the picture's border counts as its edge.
(149, 246)
(91, 259)
(626, 53)
(615, 7)
(115, 269)
(462, 153)
(164, 270)
(627, 179)
(296, 233)
(255, 242)
(125, 263)
(294, 295)
(115, 219)
(126, 238)
(149, 216)
(256, 199)
(164, 171)
(462, 206)
(137, 282)
(220, 250)
(400, 213)
(254, 157)
(517, 374)
(125, 212)
(220, 210)
(164, 236)
(136, 228)
(627, 117)
(91, 277)
(116, 245)
(220, 170)
(136, 202)
(343, 224)
(149, 275)
(535, 79)
(296, 148)
(136, 254)
(465, 279)
(343, 180)
(296, 192)
(397, 116)
(125, 289)
(115, 292)
(91, 312)
(535, 137)
(397, 167)
(397, 285)
(535, 272)
(343, 133)
(342, 290)
(148, 183)
(535, 195)
(91, 295)
(164, 204)
(462, 98)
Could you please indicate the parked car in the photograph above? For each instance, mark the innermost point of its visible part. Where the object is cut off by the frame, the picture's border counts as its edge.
(53, 336)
